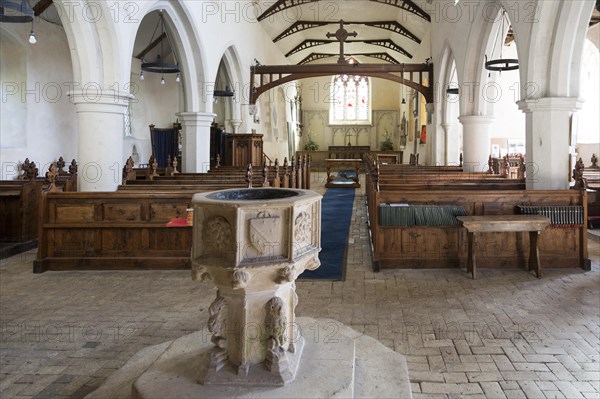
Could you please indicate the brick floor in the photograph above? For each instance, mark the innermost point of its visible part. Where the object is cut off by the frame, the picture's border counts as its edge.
(505, 335)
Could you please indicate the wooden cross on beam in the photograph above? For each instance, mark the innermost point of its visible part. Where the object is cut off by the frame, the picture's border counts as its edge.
(342, 34)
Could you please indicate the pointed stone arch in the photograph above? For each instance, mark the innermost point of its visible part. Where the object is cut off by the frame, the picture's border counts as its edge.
(447, 132)
(84, 43)
(233, 69)
(567, 52)
(189, 51)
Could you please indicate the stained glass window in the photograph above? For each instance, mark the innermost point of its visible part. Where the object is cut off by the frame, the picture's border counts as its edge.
(350, 99)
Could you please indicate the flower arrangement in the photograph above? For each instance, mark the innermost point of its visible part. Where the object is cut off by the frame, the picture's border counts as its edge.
(311, 145)
(387, 144)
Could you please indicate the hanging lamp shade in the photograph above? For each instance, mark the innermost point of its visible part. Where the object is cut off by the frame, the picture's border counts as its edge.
(159, 66)
(16, 11)
(501, 64)
(224, 93)
(451, 89)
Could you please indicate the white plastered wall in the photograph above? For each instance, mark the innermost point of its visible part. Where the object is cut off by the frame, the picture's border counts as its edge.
(38, 121)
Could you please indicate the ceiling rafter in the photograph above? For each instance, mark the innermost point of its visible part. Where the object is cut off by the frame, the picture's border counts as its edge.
(316, 56)
(299, 26)
(309, 43)
(386, 43)
(149, 48)
(380, 56)
(392, 26)
(406, 5)
(281, 5)
(41, 6)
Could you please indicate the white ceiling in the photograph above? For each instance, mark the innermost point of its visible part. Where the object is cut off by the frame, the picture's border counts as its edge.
(327, 10)
(348, 10)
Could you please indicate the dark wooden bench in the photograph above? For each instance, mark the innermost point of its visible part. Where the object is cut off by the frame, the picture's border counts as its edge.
(593, 209)
(113, 231)
(446, 246)
(19, 205)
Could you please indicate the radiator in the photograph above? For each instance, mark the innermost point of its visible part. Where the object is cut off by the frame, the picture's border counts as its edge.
(559, 215)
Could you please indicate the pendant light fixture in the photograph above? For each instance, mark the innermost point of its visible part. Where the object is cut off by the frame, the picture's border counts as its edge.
(32, 38)
(160, 66)
(501, 64)
(402, 87)
(450, 89)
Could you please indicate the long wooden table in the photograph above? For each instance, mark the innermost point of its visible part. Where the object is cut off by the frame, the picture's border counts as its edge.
(533, 224)
(333, 179)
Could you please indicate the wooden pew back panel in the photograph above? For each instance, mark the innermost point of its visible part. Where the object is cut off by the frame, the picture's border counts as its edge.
(19, 208)
(446, 246)
(114, 231)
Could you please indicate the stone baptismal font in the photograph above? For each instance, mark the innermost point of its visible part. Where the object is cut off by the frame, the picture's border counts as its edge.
(252, 244)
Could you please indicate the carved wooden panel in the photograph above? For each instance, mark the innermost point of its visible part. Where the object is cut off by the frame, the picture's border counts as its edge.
(76, 243)
(122, 242)
(163, 212)
(132, 235)
(122, 212)
(74, 213)
(242, 149)
(170, 241)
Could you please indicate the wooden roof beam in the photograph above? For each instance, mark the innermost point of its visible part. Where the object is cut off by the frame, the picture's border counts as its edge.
(391, 26)
(41, 6)
(406, 5)
(281, 5)
(149, 48)
(380, 56)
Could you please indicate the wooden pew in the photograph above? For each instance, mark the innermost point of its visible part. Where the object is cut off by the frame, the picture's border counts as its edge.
(421, 246)
(412, 177)
(113, 231)
(63, 180)
(593, 209)
(295, 174)
(19, 205)
(20, 202)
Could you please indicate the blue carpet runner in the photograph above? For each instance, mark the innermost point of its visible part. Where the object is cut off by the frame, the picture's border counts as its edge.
(336, 215)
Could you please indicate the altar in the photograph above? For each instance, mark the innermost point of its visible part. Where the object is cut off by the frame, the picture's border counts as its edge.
(337, 176)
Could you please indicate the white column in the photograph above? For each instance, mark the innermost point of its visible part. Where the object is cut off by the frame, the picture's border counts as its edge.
(451, 155)
(547, 141)
(476, 141)
(196, 140)
(235, 125)
(100, 138)
(434, 154)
